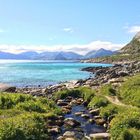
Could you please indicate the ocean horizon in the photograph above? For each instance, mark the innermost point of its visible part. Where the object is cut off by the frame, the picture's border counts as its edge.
(34, 73)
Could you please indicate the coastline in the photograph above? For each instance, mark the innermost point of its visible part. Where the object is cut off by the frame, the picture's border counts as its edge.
(102, 75)
(114, 75)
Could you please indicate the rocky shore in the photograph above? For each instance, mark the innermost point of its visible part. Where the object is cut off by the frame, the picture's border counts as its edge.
(102, 75)
(78, 120)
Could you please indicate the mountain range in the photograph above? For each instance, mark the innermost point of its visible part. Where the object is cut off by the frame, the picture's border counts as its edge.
(128, 53)
(32, 55)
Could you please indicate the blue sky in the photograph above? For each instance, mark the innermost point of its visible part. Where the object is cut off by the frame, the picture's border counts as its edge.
(69, 25)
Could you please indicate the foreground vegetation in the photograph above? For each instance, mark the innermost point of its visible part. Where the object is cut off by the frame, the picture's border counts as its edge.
(24, 116)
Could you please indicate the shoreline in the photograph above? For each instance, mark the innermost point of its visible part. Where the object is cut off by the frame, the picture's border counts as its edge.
(102, 75)
(76, 110)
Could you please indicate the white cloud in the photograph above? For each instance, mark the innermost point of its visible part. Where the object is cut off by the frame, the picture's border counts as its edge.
(134, 29)
(69, 30)
(81, 49)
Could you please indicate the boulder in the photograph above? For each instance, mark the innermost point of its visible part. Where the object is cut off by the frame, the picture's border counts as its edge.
(54, 131)
(7, 88)
(100, 136)
(62, 103)
(86, 116)
(79, 101)
(100, 121)
(123, 73)
(69, 134)
(94, 111)
(78, 113)
(91, 121)
(70, 122)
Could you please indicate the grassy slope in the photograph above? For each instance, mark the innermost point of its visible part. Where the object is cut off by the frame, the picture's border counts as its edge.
(126, 123)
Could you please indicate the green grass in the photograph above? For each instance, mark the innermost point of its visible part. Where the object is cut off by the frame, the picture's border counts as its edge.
(110, 110)
(126, 125)
(98, 101)
(107, 90)
(23, 116)
(84, 92)
(129, 92)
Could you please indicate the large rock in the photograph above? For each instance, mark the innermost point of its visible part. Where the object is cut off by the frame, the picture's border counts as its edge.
(86, 116)
(54, 130)
(100, 136)
(7, 88)
(69, 134)
(70, 122)
(123, 73)
(94, 111)
(62, 103)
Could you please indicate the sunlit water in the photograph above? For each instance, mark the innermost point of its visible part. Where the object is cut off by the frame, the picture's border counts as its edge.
(33, 73)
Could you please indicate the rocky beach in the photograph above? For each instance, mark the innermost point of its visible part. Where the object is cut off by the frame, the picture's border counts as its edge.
(79, 121)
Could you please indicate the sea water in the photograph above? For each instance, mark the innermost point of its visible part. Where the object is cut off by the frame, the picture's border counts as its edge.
(22, 73)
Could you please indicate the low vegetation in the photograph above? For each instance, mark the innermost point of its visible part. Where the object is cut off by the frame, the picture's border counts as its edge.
(85, 92)
(126, 125)
(98, 101)
(107, 89)
(129, 92)
(23, 116)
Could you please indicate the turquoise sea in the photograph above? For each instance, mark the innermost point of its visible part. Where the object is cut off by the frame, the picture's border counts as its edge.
(33, 73)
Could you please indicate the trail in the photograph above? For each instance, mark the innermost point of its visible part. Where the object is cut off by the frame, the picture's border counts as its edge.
(115, 101)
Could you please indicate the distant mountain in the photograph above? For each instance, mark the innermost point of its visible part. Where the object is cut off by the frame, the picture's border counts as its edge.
(130, 52)
(47, 55)
(99, 53)
(5, 55)
(28, 55)
(70, 55)
(31, 55)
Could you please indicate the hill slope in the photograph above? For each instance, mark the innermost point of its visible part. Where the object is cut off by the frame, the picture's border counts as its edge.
(130, 52)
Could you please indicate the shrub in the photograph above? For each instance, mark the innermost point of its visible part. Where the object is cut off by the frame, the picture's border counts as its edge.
(32, 106)
(130, 134)
(98, 101)
(23, 117)
(108, 90)
(123, 123)
(64, 93)
(23, 127)
(109, 110)
(87, 93)
(8, 100)
(129, 92)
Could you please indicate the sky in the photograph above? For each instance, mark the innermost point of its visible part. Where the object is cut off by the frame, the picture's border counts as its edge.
(67, 25)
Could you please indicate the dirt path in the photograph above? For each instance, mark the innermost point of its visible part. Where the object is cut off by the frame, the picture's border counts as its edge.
(115, 100)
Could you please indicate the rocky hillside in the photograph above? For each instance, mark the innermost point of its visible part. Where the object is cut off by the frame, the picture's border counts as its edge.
(133, 47)
(130, 52)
